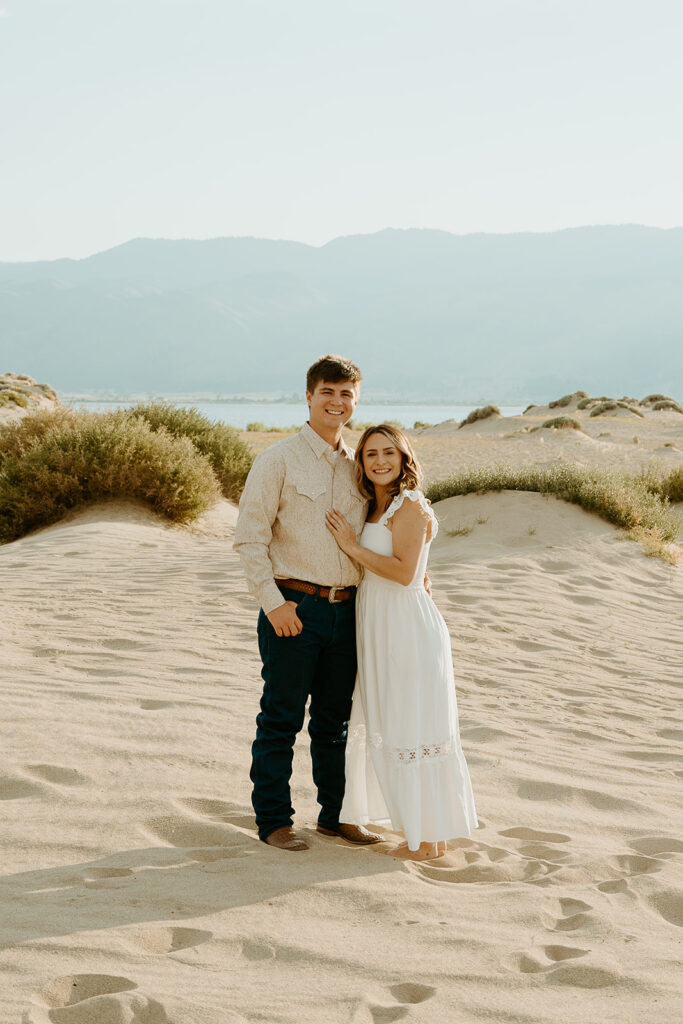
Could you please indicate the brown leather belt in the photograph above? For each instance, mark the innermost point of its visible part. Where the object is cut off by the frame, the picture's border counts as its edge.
(332, 594)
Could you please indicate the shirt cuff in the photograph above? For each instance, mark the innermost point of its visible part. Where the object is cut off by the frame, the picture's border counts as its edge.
(270, 597)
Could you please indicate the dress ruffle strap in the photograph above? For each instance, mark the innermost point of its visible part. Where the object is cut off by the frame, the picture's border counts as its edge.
(416, 496)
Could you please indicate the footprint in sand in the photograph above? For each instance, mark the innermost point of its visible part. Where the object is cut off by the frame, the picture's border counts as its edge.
(654, 846)
(56, 774)
(156, 705)
(90, 998)
(468, 861)
(395, 1003)
(669, 905)
(187, 830)
(558, 965)
(628, 864)
(159, 941)
(573, 914)
(16, 788)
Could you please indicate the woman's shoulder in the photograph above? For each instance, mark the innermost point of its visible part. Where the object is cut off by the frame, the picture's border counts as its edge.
(417, 504)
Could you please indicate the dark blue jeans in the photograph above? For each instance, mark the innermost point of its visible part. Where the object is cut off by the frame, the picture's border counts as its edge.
(320, 662)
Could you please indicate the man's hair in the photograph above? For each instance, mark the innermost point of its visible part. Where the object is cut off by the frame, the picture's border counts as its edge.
(333, 369)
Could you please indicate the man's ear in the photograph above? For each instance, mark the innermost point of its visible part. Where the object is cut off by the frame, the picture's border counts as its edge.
(309, 396)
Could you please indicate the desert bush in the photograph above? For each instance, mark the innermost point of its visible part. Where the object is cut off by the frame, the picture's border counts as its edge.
(650, 399)
(585, 403)
(360, 426)
(19, 436)
(480, 414)
(604, 407)
(625, 501)
(528, 409)
(667, 404)
(229, 456)
(562, 423)
(96, 456)
(421, 425)
(567, 399)
(671, 485)
(16, 397)
(611, 405)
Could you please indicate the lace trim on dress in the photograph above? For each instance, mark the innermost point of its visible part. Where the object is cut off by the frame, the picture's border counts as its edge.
(403, 755)
(413, 495)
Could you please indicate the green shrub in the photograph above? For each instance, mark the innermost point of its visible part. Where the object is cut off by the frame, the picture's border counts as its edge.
(19, 436)
(480, 414)
(421, 425)
(671, 486)
(585, 403)
(528, 408)
(93, 457)
(667, 404)
(230, 457)
(625, 501)
(562, 423)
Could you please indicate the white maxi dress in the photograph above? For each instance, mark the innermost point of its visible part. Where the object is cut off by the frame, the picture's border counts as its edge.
(404, 761)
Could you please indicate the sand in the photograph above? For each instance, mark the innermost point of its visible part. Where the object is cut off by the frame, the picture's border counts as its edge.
(134, 889)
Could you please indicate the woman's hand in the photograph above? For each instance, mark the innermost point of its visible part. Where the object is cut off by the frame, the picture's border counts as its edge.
(342, 531)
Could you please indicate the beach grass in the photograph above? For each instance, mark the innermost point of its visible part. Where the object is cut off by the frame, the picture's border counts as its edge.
(483, 413)
(61, 461)
(635, 503)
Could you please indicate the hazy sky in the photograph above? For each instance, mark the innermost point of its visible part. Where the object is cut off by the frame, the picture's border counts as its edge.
(309, 119)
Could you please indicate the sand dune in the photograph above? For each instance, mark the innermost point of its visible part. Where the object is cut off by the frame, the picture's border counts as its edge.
(134, 887)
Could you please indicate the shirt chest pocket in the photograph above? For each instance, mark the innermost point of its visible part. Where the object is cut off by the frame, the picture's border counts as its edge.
(307, 488)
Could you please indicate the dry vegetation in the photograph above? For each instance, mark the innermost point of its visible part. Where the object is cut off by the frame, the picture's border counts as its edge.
(561, 423)
(638, 504)
(484, 413)
(175, 460)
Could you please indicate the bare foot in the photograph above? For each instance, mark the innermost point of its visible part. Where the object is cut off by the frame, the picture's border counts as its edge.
(425, 851)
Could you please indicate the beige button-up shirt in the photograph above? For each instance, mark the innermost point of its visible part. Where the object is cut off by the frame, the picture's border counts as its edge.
(281, 532)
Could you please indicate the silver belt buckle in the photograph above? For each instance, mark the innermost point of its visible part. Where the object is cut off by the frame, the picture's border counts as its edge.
(331, 596)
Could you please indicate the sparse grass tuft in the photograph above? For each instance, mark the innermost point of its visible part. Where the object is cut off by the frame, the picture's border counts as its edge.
(567, 399)
(611, 406)
(483, 413)
(420, 425)
(460, 531)
(562, 423)
(15, 397)
(667, 404)
(528, 408)
(627, 502)
(651, 399)
(229, 456)
(89, 457)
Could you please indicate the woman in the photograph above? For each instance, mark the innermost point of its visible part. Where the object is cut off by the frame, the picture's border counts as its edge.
(404, 762)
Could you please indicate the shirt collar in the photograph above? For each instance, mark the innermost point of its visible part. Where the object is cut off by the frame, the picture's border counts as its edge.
(320, 446)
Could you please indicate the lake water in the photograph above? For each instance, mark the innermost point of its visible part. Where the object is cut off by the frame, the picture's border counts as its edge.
(286, 414)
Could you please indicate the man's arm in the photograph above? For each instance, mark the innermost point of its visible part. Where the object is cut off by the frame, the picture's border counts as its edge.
(259, 506)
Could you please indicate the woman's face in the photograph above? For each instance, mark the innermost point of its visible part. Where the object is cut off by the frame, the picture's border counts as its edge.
(382, 461)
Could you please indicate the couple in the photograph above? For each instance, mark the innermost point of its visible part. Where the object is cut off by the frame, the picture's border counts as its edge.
(305, 504)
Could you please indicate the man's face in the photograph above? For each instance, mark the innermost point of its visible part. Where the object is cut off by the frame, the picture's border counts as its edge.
(331, 404)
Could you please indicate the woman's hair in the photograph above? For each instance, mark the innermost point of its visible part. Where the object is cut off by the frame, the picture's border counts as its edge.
(410, 476)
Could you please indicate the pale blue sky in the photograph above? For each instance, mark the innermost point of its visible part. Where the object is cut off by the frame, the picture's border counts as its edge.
(309, 119)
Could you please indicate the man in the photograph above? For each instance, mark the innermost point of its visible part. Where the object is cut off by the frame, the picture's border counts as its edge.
(306, 587)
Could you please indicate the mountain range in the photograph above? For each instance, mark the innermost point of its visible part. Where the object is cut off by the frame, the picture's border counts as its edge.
(426, 314)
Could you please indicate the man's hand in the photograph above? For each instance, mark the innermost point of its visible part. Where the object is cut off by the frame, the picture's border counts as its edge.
(284, 619)
(428, 585)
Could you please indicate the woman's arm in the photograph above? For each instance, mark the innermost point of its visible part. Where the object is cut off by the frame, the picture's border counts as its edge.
(409, 534)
